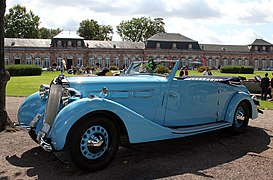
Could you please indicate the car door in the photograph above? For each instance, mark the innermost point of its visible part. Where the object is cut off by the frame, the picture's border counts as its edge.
(191, 102)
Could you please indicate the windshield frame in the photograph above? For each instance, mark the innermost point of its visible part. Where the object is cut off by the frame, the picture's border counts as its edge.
(135, 65)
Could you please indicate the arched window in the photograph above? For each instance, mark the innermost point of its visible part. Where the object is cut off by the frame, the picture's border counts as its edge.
(263, 64)
(246, 62)
(99, 60)
(225, 62)
(240, 62)
(217, 63)
(116, 61)
(79, 61)
(256, 64)
(91, 61)
(126, 61)
(6, 60)
(38, 61)
(107, 61)
(271, 63)
(158, 45)
(17, 59)
(174, 46)
(29, 59)
(59, 62)
(46, 62)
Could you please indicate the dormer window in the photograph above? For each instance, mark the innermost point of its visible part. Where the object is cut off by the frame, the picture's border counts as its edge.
(59, 43)
(190, 46)
(174, 46)
(256, 48)
(79, 43)
(158, 45)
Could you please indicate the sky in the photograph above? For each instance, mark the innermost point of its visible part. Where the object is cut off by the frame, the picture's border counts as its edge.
(228, 22)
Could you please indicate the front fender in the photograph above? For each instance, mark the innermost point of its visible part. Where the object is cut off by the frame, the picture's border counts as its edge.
(30, 108)
(234, 102)
(139, 128)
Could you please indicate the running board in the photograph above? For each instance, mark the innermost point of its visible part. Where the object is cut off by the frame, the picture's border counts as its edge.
(201, 128)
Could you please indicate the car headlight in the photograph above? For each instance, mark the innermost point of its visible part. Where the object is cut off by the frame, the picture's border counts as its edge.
(44, 90)
(69, 95)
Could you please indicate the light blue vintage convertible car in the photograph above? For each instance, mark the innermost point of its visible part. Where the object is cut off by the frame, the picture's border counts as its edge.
(90, 117)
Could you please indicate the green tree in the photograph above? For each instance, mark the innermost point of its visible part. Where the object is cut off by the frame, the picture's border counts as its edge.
(140, 29)
(19, 23)
(48, 33)
(4, 75)
(90, 29)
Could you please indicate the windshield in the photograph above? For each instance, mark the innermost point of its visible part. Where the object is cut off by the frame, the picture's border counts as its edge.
(151, 67)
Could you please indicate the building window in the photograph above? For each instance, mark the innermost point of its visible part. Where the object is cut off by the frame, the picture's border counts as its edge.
(217, 63)
(38, 61)
(59, 62)
(263, 64)
(99, 60)
(79, 61)
(59, 43)
(29, 59)
(256, 64)
(107, 61)
(190, 46)
(116, 61)
(6, 60)
(174, 46)
(79, 43)
(225, 62)
(158, 45)
(46, 62)
(240, 62)
(69, 43)
(271, 63)
(91, 61)
(125, 62)
(17, 59)
(264, 48)
(246, 62)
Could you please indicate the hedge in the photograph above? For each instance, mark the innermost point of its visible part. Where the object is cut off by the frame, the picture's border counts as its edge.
(23, 70)
(237, 69)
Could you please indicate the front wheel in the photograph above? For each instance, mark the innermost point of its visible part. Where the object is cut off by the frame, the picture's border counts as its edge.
(241, 118)
(93, 143)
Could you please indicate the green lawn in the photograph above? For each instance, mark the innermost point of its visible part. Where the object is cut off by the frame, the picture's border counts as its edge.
(26, 85)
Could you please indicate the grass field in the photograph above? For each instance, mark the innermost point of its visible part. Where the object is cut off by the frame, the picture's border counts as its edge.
(26, 85)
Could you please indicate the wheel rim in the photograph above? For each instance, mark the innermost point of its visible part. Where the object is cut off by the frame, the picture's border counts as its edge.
(94, 142)
(239, 117)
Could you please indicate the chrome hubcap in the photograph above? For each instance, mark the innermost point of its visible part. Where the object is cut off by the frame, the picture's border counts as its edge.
(240, 117)
(94, 142)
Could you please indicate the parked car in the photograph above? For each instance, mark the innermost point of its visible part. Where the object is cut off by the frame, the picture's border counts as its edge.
(90, 117)
(253, 85)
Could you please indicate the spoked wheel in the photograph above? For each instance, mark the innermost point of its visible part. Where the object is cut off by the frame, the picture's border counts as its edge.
(93, 143)
(241, 118)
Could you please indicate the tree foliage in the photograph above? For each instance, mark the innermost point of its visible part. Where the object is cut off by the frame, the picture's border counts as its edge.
(19, 23)
(140, 29)
(90, 29)
(48, 33)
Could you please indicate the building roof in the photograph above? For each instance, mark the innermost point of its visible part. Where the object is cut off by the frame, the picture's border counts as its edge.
(114, 44)
(67, 35)
(174, 37)
(220, 47)
(18, 42)
(260, 42)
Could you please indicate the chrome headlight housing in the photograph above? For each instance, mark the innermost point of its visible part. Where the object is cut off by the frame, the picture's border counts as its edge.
(44, 91)
(69, 95)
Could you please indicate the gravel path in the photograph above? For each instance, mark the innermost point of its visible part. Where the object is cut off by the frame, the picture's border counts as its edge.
(215, 155)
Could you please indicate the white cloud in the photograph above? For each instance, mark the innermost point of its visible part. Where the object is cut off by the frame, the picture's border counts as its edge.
(206, 21)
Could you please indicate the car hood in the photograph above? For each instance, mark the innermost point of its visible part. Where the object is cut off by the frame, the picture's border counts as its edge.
(94, 84)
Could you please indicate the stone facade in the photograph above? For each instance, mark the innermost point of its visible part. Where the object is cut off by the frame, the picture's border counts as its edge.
(79, 52)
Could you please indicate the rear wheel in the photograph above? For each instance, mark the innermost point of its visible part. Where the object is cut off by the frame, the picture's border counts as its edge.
(93, 143)
(241, 118)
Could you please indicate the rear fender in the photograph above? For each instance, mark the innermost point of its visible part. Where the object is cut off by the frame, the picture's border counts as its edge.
(236, 99)
(139, 128)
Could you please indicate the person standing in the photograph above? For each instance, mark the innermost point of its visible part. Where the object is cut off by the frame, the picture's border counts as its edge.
(186, 72)
(264, 86)
(181, 73)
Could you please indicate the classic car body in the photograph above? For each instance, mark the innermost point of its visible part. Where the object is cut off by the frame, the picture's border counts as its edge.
(89, 117)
